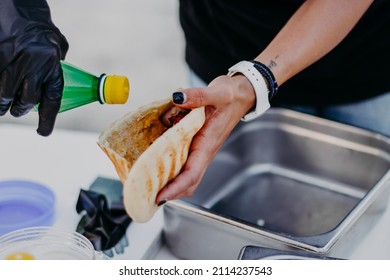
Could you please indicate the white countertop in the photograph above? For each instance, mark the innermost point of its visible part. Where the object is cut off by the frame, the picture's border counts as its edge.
(68, 161)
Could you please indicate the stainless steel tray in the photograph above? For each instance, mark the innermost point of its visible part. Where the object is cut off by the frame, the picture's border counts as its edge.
(261, 253)
(286, 181)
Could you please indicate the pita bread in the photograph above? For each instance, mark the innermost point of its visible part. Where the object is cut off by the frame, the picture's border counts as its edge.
(147, 154)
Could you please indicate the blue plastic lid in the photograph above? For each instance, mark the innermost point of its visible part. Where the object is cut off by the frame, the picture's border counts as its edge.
(25, 204)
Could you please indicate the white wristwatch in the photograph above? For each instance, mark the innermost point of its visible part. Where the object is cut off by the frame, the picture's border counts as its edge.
(261, 90)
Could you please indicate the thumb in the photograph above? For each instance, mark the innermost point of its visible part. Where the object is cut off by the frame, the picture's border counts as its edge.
(50, 102)
(193, 98)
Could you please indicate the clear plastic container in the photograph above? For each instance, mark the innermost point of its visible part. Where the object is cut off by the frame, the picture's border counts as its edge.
(46, 243)
(25, 204)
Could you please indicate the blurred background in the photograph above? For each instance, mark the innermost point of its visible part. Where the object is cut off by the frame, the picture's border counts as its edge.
(136, 38)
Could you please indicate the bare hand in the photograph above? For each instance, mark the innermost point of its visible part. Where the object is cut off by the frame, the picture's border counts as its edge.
(226, 100)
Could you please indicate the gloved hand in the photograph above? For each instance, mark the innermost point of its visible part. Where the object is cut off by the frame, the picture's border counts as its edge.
(31, 48)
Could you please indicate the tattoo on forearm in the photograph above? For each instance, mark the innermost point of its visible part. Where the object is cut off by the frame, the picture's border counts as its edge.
(272, 63)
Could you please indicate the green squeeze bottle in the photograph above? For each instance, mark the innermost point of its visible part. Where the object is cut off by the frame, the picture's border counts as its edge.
(81, 88)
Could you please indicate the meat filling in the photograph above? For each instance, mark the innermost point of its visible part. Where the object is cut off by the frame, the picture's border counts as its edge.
(173, 116)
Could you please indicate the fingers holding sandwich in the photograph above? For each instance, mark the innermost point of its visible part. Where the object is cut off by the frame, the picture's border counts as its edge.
(226, 100)
(185, 184)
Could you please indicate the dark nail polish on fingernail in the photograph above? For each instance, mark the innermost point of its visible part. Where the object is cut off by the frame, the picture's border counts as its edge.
(178, 97)
(162, 202)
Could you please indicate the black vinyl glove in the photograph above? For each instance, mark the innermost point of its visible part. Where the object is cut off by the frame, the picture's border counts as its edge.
(31, 48)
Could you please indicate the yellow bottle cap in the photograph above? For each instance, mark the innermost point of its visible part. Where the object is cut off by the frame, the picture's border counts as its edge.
(116, 89)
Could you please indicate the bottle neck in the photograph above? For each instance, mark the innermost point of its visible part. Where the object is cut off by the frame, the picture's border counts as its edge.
(102, 80)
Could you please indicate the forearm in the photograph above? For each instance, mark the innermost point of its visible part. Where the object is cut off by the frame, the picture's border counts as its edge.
(313, 31)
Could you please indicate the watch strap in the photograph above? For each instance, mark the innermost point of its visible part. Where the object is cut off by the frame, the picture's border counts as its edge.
(259, 85)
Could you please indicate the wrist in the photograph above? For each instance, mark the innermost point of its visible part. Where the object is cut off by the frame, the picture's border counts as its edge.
(247, 94)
